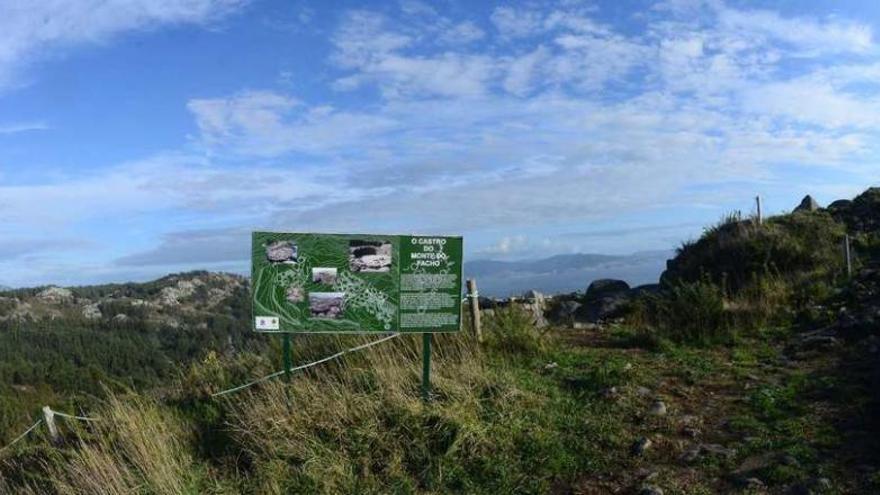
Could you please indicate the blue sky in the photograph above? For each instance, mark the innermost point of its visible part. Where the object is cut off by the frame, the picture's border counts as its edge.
(142, 137)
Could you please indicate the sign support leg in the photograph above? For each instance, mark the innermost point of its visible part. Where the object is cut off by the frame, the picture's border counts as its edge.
(426, 367)
(287, 357)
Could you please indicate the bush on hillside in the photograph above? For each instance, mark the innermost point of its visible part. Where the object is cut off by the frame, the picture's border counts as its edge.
(688, 312)
(735, 253)
(510, 329)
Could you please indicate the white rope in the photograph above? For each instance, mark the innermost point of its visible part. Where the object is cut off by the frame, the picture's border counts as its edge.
(309, 365)
(23, 434)
(70, 416)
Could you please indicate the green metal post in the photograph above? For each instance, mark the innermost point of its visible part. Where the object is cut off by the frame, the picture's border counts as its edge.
(426, 366)
(287, 359)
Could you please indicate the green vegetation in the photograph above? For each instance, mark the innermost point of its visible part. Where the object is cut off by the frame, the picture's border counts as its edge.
(800, 247)
(730, 379)
(68, 360)
(740, 277)
(561, 417)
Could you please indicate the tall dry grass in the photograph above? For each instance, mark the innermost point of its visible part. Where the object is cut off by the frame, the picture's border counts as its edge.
(136, 447)
(355, 425)
(360, 425)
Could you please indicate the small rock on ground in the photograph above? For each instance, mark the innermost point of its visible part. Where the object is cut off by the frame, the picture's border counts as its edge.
(822, 485)
(641, 445)
(658, 408)
(752, 483)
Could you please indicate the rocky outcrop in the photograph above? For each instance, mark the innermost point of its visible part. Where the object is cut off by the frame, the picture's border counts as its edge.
(605, 287)
(862, 214)
(535, 304)
(172, 296)
(92, 312)
(281, 252)
(644, 290)
(605, 299)
(563, 312)
(808, 204)
(55, 295)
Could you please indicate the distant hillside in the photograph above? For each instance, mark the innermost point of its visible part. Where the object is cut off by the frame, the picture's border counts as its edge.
(564, 273)
(70, 344)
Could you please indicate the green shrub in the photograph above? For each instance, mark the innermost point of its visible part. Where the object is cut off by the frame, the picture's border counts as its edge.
(511, 330)
(735, 253)
(689, 312)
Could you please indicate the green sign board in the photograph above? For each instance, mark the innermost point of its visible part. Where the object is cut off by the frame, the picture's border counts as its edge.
(334, 283)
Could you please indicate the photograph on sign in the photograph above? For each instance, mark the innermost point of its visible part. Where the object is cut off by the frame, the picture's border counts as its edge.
(282, 252)
(356, 283)
(324, 275)
(369, 256)
(326, 304)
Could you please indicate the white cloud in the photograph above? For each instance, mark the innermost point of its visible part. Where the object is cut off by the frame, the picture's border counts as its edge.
(171, 182)
(417, 8)
(461, 34)
(17, 127)
(507, 245)
(265, 123)
(523, 70)
(26, 28)
(516, 23)
(808, 36)
(813, 102)
(590, 62)
(581, 123)
(366, 44)
(363, 38)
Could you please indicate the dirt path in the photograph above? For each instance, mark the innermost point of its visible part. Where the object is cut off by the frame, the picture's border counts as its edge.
(758, 417)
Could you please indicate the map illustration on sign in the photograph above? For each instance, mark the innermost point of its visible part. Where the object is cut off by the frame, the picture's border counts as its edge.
(348, 283)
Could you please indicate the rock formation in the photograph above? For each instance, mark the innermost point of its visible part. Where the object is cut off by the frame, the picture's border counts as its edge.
(808, 204)
(281, 252)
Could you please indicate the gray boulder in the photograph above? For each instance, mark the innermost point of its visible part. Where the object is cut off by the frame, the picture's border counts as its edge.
(605, 298)
(643, 290)
(606, 287)
(55, 295)
(535, 304)
(840, 205)
(563, 312)
(92, 312)
(486, 302)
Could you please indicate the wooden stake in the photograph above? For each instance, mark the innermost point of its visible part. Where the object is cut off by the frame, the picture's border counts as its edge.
(49, 419)
(760, 215)
(473, 297)
(848, 253)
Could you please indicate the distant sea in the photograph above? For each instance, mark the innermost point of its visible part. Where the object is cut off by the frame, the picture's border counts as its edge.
(564, 273)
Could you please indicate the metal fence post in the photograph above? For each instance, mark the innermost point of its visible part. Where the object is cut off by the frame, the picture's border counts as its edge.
(426, 366)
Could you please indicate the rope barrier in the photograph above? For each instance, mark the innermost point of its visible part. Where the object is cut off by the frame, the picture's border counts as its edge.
(246, 385)
(70, 416)
(23, 434)
(309, 365)
(240, 387)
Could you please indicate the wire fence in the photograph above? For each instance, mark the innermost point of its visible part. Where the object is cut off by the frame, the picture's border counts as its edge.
(71, 416)
(339, 354)
(306, 366)
(18, 438)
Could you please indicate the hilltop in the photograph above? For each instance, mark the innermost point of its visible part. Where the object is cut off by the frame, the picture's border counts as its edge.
(752, 368)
